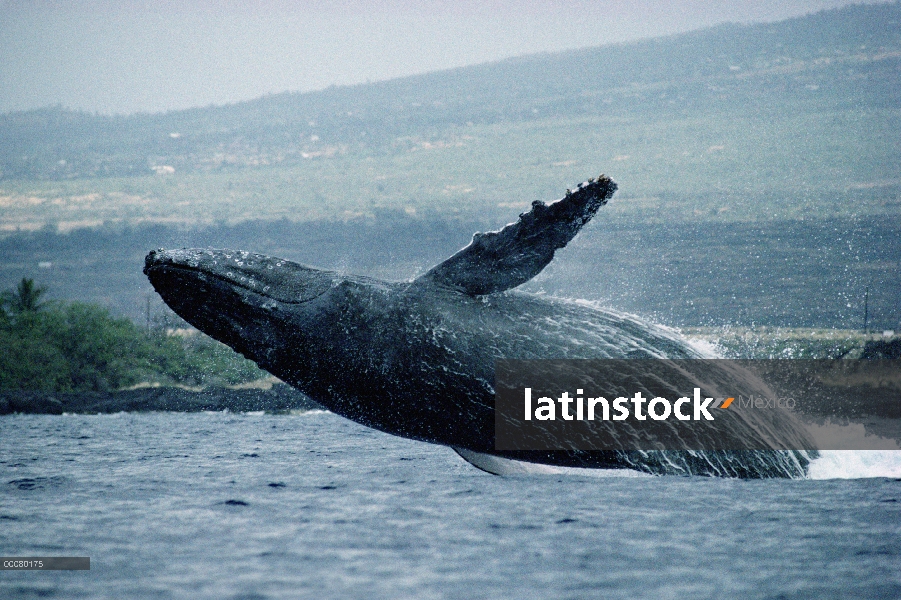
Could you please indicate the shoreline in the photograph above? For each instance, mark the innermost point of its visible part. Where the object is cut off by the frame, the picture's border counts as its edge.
(279, 398)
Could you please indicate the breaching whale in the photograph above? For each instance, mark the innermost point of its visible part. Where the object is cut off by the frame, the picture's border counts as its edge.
(417, 358)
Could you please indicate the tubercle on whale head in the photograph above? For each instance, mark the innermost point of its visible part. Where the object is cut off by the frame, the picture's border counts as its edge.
(276, 278)
(239, 298)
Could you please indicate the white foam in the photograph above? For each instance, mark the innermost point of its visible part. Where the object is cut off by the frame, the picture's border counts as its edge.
(705, 348)
(856, 464)
(303, 412)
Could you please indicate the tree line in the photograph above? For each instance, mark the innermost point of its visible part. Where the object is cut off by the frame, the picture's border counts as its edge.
(59, 346)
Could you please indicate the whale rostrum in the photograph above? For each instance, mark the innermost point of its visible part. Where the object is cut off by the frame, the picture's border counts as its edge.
(416, 359)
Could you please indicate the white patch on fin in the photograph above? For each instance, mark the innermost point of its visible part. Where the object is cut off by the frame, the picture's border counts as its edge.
(497, 465)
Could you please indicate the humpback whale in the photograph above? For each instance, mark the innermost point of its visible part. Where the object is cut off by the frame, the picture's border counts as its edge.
(417, 358)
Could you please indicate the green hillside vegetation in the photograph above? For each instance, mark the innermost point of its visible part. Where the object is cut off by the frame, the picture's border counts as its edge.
(78, 347)
(797, 119)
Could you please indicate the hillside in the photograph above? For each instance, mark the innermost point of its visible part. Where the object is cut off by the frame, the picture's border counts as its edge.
(757, 165)
(795, 119)
(778, 274)
(730, 67)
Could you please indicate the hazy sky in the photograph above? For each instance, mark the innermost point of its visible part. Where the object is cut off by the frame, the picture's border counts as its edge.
(125, 56)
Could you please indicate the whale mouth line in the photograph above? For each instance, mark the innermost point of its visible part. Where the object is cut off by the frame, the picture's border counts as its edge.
(230, 281)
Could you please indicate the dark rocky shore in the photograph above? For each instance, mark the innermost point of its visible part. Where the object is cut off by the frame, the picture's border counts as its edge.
(279, 398)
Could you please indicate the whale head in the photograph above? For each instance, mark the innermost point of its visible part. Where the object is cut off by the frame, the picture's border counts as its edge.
(239, 298)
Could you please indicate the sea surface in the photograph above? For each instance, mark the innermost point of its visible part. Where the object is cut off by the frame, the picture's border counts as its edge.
(253, 506)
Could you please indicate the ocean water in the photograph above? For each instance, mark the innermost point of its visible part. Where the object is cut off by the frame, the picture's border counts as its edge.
(225, 505)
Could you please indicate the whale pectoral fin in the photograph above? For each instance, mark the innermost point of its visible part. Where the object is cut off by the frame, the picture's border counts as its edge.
(500, 260)
(498, 465)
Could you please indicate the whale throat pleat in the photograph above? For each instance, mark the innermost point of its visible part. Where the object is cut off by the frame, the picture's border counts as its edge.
(501, 260)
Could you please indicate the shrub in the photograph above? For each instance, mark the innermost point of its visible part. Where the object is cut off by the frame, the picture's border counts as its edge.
(74, 347)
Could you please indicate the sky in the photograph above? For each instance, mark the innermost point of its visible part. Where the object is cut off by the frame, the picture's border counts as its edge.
(126, 56)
